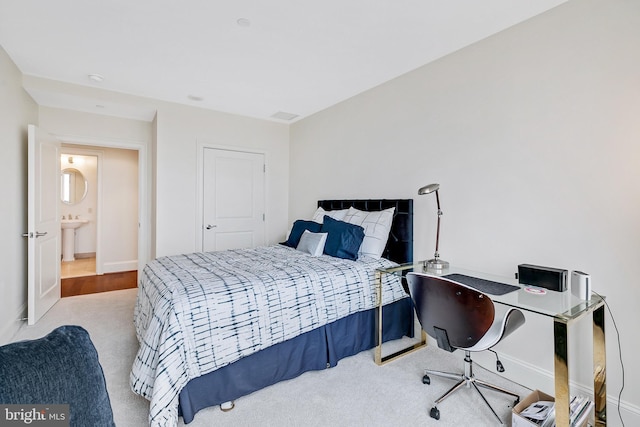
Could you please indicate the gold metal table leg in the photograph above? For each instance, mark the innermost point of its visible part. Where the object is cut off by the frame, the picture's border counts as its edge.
(379, 359)
(561, 368)
(599, 368)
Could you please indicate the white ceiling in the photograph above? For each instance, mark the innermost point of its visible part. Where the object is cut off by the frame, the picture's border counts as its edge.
(295, 56)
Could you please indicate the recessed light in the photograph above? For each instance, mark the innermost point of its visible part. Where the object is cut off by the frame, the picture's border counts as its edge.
(243, 22)
(195, 98)
(284, 116)
(96, 78)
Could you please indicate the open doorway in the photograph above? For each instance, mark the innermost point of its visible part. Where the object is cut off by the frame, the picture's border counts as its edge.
(99, 207)
(78, 207)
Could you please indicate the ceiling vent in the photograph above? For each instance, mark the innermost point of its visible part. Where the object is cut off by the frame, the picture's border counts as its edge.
(284, 116)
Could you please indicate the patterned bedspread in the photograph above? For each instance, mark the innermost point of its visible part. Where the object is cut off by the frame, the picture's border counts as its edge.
(199, 312)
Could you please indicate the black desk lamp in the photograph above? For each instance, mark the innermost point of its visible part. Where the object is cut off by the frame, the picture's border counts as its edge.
(436, 263)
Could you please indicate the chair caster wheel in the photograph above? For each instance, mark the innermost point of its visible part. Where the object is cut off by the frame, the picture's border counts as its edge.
(426, 380)
(435, 413)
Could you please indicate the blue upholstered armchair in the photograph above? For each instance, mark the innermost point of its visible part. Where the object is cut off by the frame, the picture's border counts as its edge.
(61, 368)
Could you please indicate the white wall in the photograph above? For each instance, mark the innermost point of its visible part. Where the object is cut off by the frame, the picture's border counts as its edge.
(180, 130)
(17, 110)
(119, 228)
(80, 126)
(533, 135)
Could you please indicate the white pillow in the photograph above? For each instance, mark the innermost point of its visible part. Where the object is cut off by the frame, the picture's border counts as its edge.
(319, 214)
(376, 229)
(312, 243)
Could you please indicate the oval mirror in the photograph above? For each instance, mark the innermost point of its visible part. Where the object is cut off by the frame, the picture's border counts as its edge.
(73, 186)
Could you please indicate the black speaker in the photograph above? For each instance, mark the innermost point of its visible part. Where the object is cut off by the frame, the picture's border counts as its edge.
(554, 279)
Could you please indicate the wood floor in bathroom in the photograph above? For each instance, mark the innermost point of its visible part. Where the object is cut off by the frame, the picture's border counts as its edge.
(79, 278)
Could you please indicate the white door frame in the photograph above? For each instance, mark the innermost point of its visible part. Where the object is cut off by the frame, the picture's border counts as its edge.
(144, 218)
(201, 146)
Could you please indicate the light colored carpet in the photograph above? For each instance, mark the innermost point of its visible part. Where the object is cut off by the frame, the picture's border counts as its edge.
(357, 392)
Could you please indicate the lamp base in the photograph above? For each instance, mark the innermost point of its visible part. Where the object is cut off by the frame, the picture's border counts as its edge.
(436, 264)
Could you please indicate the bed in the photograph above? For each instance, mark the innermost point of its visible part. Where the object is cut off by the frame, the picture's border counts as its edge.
(214, 327)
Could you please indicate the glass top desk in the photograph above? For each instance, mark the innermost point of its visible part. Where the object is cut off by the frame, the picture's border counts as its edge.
(563, 307)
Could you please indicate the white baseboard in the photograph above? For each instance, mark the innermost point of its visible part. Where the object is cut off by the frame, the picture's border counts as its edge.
(533, 377)
(9, 330)
(117, 267)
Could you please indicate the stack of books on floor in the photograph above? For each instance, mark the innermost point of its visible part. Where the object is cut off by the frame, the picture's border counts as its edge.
(543, 413)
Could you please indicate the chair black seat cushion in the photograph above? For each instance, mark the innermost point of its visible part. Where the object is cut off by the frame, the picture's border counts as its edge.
(59, 368)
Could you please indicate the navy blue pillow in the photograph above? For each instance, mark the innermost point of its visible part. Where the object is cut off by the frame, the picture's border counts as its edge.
(343, 239)
(298, 228)
(60, 368)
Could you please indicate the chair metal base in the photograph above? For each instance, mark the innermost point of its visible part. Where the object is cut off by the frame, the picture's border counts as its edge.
(467, 379)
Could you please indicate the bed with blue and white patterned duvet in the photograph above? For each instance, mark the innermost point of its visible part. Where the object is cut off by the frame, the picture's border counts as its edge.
(202, 312)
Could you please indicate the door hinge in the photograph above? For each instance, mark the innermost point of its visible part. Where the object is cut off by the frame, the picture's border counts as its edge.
(262, 217)
(264, 168)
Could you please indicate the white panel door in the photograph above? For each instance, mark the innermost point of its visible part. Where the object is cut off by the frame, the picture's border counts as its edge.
(233, 200)
(43, 223)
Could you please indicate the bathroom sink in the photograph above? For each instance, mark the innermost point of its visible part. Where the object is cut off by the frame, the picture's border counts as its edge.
(73, 223)
(69, 227)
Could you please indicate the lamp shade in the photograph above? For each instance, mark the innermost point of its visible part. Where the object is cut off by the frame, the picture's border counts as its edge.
(428, 189)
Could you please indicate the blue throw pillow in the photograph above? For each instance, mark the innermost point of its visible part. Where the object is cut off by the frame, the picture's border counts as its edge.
(343, 239)
(298, 228)
(60, 368)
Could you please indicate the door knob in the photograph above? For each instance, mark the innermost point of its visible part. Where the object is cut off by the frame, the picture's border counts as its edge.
(209, 226)
(32, 235)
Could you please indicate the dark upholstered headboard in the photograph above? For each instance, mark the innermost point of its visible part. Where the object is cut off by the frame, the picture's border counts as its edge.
(400, 244)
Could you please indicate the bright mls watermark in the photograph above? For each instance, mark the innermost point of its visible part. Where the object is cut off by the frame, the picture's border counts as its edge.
(34, 415)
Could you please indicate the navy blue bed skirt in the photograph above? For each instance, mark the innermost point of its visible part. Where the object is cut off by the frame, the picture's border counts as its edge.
(315, 350)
